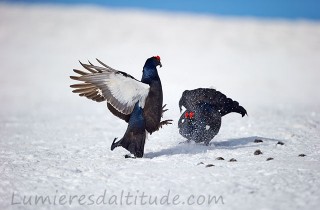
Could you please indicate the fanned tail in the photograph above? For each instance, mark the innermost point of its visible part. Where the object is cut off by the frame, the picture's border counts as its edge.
(191, 98)
(115, 144)
(228, 105)
(134, 143)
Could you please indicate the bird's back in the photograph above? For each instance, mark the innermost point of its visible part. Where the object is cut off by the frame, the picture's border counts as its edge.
(191, 98)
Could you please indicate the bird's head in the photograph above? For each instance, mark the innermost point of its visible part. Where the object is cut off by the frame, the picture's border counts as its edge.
(182, 101)
(153, 62)
(150, 71)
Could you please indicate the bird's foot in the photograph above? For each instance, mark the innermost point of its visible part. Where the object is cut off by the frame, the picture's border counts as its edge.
(129, 156)
(164, 110)
(165, 122)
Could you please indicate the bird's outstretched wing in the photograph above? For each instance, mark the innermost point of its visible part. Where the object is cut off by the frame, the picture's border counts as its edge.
(120, 89)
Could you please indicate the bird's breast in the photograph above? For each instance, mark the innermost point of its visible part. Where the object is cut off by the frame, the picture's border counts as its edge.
(153, 107)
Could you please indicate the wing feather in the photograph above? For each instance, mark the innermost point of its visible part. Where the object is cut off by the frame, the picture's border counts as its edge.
(120, 89)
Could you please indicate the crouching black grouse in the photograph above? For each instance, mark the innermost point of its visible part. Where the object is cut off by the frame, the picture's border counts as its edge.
(127, 98)
(201, 120)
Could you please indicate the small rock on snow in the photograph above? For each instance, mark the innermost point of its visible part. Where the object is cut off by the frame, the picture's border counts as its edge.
(257, 152)
(258, 141)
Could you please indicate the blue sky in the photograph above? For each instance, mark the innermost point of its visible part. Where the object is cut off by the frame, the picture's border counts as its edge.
(284, 9)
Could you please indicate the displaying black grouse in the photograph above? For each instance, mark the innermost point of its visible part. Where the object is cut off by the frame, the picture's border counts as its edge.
(125, 96)
(201, 120)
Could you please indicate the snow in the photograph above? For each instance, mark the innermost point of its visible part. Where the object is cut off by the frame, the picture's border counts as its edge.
(55, 143)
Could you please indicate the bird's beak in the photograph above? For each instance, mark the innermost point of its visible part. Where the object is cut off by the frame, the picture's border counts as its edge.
(160, 64)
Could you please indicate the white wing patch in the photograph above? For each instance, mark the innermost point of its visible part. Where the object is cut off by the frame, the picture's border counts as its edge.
(120, 90)
(127, 90)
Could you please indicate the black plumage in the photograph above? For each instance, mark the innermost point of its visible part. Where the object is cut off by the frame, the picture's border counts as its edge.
(123, 94)
(201, 120)
(135, 135)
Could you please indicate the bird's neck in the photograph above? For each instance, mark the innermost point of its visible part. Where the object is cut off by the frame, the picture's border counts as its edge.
(149, 74)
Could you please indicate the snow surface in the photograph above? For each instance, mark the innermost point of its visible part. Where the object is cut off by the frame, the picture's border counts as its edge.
(55, 143)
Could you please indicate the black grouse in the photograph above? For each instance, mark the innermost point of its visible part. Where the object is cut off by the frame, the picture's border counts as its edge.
(201, 120)
(127, 98)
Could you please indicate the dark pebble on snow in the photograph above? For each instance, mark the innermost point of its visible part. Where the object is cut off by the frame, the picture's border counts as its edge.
(200, 163)
(257, 152)
(232, 160)
(270, 158)
(209, 165)
(258, 141)
(302, 155)
(219, 158)
(280, 142)
(78, 171)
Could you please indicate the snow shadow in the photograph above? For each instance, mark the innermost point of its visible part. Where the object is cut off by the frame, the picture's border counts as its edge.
(194, 148)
